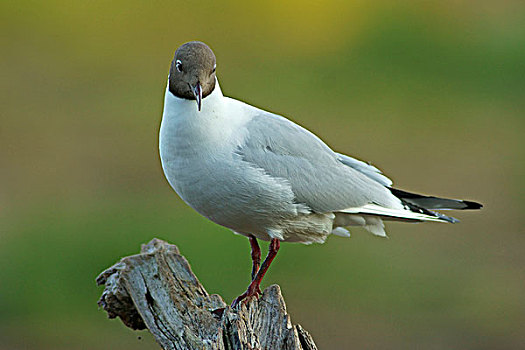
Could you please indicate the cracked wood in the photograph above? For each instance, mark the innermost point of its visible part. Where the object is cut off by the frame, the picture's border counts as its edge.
(157, 290)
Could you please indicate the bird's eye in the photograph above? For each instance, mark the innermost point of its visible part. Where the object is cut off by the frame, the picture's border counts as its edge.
(214, 66)
(178, 65)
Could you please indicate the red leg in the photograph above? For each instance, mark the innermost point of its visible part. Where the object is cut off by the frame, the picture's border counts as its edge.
(254, 287)
(256, 255)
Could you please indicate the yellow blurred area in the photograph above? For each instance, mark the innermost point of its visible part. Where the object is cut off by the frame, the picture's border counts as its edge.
(431, 92)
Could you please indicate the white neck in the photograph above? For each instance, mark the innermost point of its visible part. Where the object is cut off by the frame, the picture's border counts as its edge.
(183, 124)
(182, 103)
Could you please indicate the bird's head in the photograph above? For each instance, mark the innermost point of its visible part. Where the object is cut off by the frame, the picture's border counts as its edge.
(192, 72)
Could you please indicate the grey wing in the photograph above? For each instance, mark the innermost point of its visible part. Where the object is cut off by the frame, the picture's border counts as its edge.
(365, 168)
(320, 178)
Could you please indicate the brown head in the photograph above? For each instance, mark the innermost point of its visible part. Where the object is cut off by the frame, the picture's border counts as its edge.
(192, 72)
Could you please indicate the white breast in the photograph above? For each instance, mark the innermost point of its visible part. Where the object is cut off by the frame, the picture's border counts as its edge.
(193, 142)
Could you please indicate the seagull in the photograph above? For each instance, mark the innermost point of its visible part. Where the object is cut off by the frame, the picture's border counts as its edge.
(265, 177)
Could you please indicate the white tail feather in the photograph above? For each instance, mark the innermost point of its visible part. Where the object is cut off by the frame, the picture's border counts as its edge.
(374, 209)
(341, 231)
(375, 226)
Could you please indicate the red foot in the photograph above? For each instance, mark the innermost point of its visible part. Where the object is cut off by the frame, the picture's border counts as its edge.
(256, 256)
(252, 291)
(254, 287)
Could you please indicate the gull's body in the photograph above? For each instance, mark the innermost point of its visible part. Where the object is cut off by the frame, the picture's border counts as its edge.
(262, 175)
(239, 166)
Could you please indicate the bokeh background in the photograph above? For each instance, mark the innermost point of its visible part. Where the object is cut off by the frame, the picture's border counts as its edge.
(431, 92)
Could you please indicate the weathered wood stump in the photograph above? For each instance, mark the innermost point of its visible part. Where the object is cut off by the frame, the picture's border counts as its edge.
(157, 290)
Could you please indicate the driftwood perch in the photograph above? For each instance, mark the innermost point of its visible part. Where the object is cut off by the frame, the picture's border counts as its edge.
(157, 290)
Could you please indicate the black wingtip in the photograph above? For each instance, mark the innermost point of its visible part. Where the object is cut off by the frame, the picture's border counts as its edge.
(472, 205)
(431, 202)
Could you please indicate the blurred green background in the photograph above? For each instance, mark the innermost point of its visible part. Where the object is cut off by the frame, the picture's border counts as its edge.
(431, 92)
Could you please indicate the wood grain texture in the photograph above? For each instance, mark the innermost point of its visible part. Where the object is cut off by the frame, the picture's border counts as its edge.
(157, 290)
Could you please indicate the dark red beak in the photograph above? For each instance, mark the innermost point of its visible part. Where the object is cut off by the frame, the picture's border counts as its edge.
(197, 92)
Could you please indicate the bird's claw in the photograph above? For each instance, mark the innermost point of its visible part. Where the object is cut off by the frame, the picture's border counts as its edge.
(246, 296)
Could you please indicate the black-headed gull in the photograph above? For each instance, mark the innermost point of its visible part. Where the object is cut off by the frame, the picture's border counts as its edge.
(265, 177)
